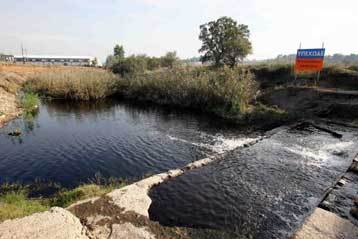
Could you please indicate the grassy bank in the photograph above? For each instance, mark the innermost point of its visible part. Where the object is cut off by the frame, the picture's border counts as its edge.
(225, 92)
(16, 200)
(73, 84)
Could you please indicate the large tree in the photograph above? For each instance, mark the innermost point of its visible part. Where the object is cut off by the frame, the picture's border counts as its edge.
(225, 42)
(118, 51)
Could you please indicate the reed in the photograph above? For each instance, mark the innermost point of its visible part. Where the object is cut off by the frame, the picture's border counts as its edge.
(223, 91)
(74, 84)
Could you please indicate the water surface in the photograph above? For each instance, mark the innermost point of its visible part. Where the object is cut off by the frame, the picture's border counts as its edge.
(69, 143)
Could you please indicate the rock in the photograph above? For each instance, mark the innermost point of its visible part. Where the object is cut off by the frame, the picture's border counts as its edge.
(132, 198)
(148, 183)
(175, 173)
(57, 223)
(128, 231)
(326, 225)
(354, 213)
(325, 205)
(199, 163)
(354, 166)
(342, 182)
(16, 132)
(355, 201)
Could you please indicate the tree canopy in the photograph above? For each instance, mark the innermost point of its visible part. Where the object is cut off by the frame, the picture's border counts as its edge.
(169, 59)
(118, 51)
(225, 42)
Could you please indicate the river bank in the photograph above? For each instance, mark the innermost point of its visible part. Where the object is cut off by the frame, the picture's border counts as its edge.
(295, 101)
(247, 95)
(12, 81)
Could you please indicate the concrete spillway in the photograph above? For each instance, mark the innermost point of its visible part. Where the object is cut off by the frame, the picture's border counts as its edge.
(263, 191)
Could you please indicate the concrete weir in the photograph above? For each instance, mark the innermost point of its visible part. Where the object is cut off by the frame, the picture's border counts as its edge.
(263, 191)
(123, 213)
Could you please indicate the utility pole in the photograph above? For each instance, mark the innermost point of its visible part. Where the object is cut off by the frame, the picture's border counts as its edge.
(22, 52)
(294, 68)
(319, 73)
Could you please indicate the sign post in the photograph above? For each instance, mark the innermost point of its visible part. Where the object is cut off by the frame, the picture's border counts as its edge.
(310, 60)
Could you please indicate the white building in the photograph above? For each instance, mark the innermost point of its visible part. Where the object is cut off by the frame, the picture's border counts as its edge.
(56, 60)
(6, 58)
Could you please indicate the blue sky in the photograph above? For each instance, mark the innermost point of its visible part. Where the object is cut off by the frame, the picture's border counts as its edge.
(92, 27)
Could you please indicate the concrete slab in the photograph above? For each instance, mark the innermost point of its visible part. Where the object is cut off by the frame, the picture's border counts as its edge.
(326, 225)
(57, 223)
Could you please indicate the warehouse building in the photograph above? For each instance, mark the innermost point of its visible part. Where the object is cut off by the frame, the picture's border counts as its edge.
(56, 60)
(6, 58)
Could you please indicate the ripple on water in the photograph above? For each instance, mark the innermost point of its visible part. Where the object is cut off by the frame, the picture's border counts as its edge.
(69, 143)
(263, 191)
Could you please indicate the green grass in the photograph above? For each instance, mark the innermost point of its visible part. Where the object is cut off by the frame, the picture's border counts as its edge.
(15, 202)
(29, 101)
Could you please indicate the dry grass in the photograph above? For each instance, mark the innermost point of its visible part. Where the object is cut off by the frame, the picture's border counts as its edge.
(74, 83)
(28, 69)
(224, 91)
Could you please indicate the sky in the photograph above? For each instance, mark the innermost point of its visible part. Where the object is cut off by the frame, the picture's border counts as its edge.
(153, 27)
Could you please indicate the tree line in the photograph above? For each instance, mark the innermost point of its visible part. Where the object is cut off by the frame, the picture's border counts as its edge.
(224, 42)
(120, 64)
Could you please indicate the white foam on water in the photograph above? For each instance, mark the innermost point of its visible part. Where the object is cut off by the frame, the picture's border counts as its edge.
(319, 156)
(219, 144)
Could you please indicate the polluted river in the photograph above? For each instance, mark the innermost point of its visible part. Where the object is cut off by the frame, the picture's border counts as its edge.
(260, 185)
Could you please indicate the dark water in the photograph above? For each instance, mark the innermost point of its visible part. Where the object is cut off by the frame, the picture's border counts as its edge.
(69, 143)
(263, 191)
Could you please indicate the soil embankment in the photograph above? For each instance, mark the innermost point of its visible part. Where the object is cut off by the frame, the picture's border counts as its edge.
(10, 83)
(12, 78)
(308, 102)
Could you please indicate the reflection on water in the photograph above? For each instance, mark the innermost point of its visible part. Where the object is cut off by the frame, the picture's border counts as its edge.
(68, 143)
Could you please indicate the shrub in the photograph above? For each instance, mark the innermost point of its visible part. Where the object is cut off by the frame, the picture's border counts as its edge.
(29, 102)
(130, 65)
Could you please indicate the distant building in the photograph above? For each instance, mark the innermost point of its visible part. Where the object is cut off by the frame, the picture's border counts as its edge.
(6, 58)
(56, 60)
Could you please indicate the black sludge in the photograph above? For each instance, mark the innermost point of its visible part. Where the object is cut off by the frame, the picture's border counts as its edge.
(264, 191)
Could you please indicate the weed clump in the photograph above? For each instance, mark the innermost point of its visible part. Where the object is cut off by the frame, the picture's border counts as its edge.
(29, 102)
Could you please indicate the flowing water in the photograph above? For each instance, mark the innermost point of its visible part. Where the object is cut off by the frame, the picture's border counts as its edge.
(70, 143)
(262, 191)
